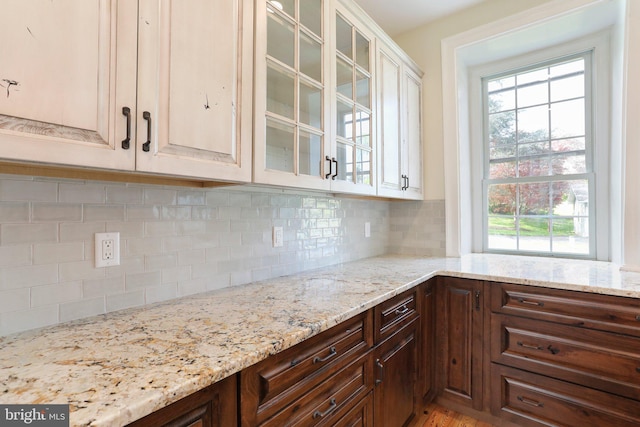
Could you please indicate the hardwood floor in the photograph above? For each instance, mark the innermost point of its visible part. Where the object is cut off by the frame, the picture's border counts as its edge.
(438, 416)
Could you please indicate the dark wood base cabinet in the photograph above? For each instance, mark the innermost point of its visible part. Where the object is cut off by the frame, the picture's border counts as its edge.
(512, 355)
(214, 406)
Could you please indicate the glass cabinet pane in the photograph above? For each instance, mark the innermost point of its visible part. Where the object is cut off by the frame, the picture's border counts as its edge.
(280, 92)
(363, 90)
(363, 166)
(344, 122)
(363, 128)
(280, 39)
(310, 105)
(286, 6)
(280, 146)
(344, 41)
(344, 78)
(310, 57)
(344, 156)
(311, 15)
(362, 51)
(310, 153)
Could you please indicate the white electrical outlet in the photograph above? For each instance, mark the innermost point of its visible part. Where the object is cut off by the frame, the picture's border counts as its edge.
(367, 229)
(278, 237)
(107, 248)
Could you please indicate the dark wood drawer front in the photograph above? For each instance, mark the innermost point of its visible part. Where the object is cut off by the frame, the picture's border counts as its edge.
(360, 415)
(609, 362)
(604, 312)
(532, 400)
(323, 404)
(392, 315)
(273, 383)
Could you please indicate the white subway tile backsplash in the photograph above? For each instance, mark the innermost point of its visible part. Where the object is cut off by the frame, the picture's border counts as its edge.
(28, 190)
(27, 276)
(79, 309)
(57, 293)
(11, 234)
(179, 241)
(15, 255)
(15, 299)
(14, 212)
(54, 253)
(32, 318)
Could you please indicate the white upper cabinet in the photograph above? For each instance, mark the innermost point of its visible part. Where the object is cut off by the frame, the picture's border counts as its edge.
(353, 102)
(90, 82)
(195, 88)
(399, 127)
(291, 143)
(67, 69)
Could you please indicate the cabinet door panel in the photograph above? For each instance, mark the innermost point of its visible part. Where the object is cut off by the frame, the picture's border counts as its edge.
(193, 81)
(412, 141)
(460, 300)
(396, 378)
(58, 100)
(389, 98)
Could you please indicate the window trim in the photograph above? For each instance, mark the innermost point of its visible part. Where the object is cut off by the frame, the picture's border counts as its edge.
(598, 124)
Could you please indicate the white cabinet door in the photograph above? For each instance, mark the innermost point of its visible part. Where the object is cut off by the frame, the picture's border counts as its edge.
(412, 141)
(389, 118)
(353, 105)
(400, 127)
(67, 69)
(195, 88)
(291, 145)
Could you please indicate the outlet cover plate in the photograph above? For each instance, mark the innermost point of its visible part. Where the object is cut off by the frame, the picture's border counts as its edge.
(107, 249)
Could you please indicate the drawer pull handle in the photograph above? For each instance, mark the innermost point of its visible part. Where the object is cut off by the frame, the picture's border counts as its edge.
(381, 371)
(402, 310)
(536, 303)
(332, 352)
(529, 346)
(530, 402)
(638, 370)
(638, 317)
(553, 350)
(332, 407)
(477, 296)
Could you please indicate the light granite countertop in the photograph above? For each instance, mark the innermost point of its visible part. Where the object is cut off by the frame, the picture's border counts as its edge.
(116, 368)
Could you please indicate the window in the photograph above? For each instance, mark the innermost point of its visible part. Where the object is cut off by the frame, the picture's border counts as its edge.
(538, 171)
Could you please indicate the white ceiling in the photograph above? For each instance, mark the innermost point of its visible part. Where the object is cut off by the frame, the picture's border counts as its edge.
(398, 16)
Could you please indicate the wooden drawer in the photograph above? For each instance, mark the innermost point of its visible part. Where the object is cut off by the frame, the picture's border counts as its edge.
(391, 315)
(532, 400)
(604, 312)
(326, 403)
(361, 415)
(273, 383)
(606, 361)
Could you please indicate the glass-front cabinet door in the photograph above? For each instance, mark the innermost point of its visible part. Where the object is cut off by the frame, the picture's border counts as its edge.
(291, 144)
(353, 149)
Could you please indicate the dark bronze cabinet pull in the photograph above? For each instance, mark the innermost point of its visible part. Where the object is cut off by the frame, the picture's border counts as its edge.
(147, 145)
(126, 111)
(407, 186)
(536, 303)
(330, 167)
(332, 406)
(335, 174)
(402, 310)
(529, 346)
(530, 402)
(638, 317)
(380, 370)
(477, 295)
(332, 352)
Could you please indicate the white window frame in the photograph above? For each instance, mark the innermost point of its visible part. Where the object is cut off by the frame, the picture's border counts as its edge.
(599, 92)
